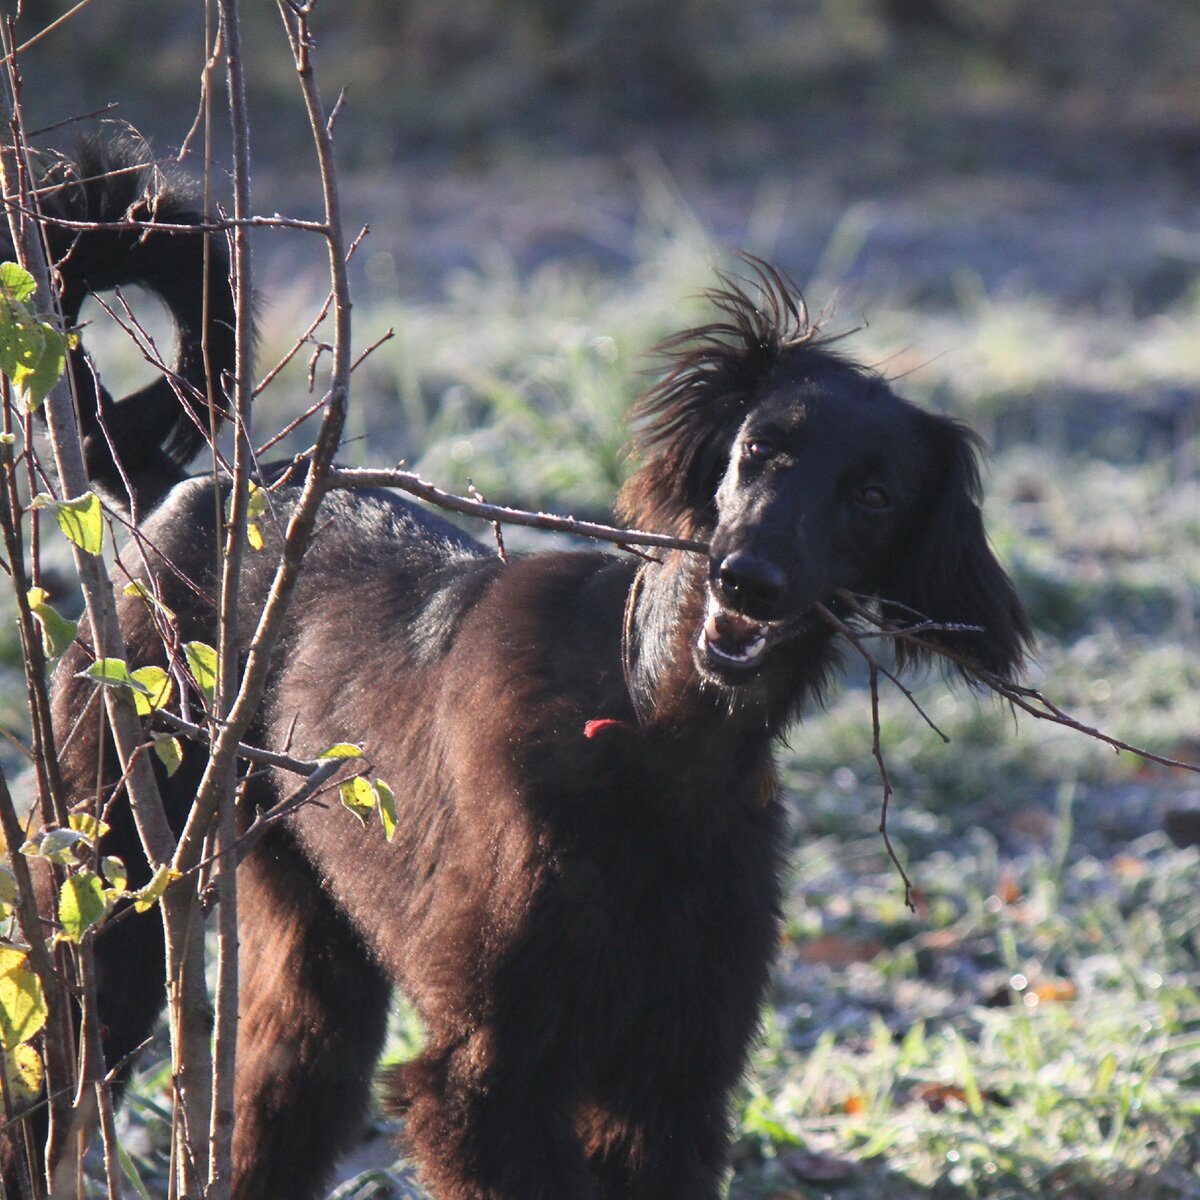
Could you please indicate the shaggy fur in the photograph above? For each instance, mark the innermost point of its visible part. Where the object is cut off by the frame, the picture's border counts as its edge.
(583, 895)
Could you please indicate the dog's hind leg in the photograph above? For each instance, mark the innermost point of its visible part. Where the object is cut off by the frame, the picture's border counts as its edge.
(486, 1123)
(313, 1017)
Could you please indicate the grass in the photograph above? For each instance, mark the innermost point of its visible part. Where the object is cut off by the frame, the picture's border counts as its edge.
(1033, 1028)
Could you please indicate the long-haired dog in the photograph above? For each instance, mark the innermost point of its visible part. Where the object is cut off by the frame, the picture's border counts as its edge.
(582, 897)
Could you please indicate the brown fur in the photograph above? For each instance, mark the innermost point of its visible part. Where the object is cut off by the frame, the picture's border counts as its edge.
(584, 916)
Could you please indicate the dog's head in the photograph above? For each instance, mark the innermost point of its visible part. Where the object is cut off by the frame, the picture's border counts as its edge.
(810, 478)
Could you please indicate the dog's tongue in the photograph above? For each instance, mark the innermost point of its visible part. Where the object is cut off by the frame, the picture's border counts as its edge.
(734, 636)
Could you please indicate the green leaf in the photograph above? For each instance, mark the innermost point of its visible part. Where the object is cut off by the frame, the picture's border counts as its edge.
(55, 845)
(256, 506)
(81, 904)
(57, 632)
(342, 750)
(45, 361)
(387, 808)
(81, 519)
(22, 1005)
(33, 353)
(1104, 1074)
(110, 672)
(255, 509)
(170, 752)
(147, 897)
(131, 1172)
(8, 886)
(20, 338)
(202, 662)
(115, 873)
(16, 282)
(359, 797)
(155, 691)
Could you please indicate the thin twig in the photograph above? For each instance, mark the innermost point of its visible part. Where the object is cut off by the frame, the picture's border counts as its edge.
(877, 750)
(302, 340)
(497, 527)
(220, 225)
(852, 636)
(251, 754)
(407, 481)
(87, 116)
(1028, 700)
(224, 1058)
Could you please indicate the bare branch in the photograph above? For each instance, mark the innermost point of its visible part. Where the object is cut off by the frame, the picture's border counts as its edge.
(303, 518)
(221, 767)
(218, 225)
(1028, 700)
(414, 485)
(250, 754)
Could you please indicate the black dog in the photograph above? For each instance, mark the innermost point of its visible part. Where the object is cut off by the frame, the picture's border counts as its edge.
(582, 898)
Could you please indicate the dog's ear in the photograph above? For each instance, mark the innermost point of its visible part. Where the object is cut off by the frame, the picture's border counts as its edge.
(948, 573)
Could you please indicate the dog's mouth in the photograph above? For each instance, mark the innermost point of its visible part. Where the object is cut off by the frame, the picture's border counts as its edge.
(733, 647)
(731, 643)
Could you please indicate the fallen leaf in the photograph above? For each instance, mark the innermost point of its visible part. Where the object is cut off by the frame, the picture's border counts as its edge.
(938, 1096)
(1055, 991)
(837, 951)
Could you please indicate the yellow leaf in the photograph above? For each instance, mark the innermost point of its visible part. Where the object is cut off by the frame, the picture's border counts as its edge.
(24, 1071)
(359, 797)
(22, 1006)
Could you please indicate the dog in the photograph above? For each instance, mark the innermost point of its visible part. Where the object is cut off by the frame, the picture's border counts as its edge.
(582, 897)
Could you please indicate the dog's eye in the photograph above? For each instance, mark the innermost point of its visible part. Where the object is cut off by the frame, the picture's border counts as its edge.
(759, 449)
(873, 497)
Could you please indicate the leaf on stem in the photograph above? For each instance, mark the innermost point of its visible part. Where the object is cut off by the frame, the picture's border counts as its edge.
(170, 752)
(359, 797)
(81, 904)
(387, 808)
(57, 632)
(81, 519)
(256, 506)
(152, 689)
(22, 1005)
(33, 353)
(202, 662)
(109, 672)
(342, 750)
(146, 898)
(56, 845)
(24, 1073)
(115, 874)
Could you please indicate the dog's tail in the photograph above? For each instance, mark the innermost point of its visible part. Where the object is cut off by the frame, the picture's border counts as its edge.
(131, 214)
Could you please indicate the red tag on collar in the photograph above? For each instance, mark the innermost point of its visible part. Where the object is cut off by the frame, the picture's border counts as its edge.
(592, 728)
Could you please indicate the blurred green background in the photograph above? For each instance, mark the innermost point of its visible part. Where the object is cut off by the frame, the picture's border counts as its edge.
(1003, 198)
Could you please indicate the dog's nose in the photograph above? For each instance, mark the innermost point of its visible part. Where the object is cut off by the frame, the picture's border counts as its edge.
(751, 585)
